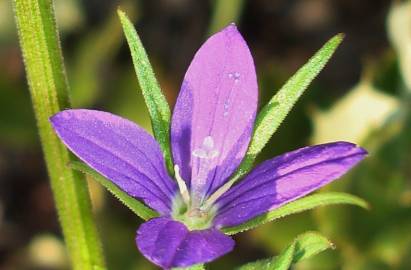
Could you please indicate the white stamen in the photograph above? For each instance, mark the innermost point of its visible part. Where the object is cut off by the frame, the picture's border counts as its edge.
(217, 194)
(182, 185)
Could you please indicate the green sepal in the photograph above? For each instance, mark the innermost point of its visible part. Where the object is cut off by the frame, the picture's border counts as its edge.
(155, 100)
(136, 206)
(306, 203)
(304, 246)
(272, 115)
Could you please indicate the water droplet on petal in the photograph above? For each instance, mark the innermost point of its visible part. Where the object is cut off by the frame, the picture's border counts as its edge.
(236, 77)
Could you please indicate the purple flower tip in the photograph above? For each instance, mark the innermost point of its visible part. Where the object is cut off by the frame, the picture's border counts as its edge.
(211, 128)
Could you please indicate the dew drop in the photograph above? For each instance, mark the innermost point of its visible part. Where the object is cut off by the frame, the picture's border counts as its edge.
(234, 75)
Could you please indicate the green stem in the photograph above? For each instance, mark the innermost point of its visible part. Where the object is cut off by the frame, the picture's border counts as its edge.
(49, 91)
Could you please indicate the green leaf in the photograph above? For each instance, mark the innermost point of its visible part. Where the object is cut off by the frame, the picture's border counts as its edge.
(304, 246)
(309, 244)
(155, 100)
(49, 89)
(136, 206)
(297, 206)
(272, 114)
(284, 260)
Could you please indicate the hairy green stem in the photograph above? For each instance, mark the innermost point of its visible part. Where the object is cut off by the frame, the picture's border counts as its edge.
(49, 91)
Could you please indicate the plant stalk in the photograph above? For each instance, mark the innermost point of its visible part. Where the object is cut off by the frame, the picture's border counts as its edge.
(49, 91)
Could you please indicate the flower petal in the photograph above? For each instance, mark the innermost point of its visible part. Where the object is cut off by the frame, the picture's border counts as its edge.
(215, 111)
(285, 178)
(169, 243)
(121, 151)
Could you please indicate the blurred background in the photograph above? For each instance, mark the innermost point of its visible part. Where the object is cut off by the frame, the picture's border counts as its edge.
(363, 95)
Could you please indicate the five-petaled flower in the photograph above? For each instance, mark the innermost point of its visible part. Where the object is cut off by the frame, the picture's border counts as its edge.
(211, 128)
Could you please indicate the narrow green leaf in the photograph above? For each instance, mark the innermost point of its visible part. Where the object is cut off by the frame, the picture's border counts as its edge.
(155, 100)
(49, 91)
(272, 114)
(306, 203)
(304, 246)
(136, 206)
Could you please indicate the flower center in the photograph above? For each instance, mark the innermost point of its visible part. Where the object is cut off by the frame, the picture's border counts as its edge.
(195, 217)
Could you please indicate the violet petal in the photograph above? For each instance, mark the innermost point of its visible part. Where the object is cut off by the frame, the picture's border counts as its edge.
(121, 151)
(284, 179)
(214, 115)
(169, 243)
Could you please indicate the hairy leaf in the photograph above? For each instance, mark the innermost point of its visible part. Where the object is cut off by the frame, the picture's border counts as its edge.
(304, 246)
(272, 114)
(300, 205)
(136, 206)
(155, 100)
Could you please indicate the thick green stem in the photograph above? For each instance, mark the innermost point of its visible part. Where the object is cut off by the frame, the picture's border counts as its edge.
(49, 91)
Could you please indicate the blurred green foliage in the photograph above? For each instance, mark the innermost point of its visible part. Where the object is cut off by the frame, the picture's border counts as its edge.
(101, 74)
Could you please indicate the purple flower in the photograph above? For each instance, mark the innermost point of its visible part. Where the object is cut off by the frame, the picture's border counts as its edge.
(211, 128)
